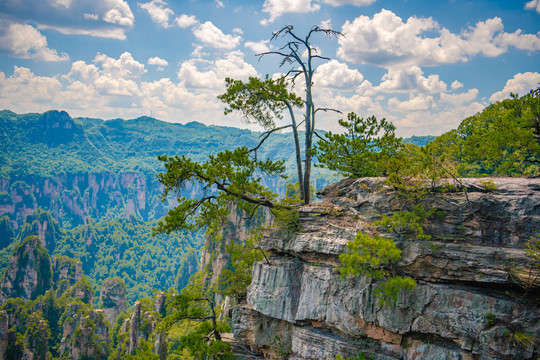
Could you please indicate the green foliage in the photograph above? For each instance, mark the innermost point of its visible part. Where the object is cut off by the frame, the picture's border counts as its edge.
(373, 256)
(259, 101)
(489, 185)
(388, 290)
(235, 177)
(368, 255)
(234, 279)
(530, 280)
(196, 314)
(522, 338)
(189, 265)
(490, 319)
(126, 248)
(501, 140)
(84, 288)
(37, 335)
(408, 221)
(360, 356)
(293, 194)
(363, 150)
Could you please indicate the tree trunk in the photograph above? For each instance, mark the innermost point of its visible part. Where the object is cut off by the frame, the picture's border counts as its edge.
(298, 153)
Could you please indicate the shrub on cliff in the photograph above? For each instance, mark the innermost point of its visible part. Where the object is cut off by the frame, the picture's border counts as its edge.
(374, 256)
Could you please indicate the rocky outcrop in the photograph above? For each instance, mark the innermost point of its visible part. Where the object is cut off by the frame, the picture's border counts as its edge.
(29, 272)
(112, 298)
(42, 224)
(141, 325)
(73, 198)
(4, 333)
(85, 333)
(468, 303)
(66, 272)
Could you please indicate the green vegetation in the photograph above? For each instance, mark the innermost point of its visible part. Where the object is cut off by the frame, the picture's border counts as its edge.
(373, 256)
(362, 150)
(501, 140)
(124, 247)
(260, 100)
(236, 277)
(236, 178)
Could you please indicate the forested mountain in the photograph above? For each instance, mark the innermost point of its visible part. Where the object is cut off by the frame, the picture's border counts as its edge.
(88, 188)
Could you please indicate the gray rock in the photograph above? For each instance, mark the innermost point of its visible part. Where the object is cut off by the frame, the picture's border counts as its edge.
(465, 305)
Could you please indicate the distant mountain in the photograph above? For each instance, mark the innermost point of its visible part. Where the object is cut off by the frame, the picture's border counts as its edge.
(419, 140)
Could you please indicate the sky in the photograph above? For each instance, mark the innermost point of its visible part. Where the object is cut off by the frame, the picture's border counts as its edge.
(424, 65)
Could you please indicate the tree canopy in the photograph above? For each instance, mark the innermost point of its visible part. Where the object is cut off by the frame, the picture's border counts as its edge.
(260, 100)
(363, 150)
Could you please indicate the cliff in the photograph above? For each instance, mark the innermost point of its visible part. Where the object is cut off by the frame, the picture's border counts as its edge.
(469, 301)
(29, 272)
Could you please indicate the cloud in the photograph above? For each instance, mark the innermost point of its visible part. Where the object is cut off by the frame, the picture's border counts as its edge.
(520, 84)
(212, 76)
(258, 47)
(101, 18)
(219, 4)
(112, 88)
(26, 42)
(415, 103)
(157, 61)
(334, 74)
(212, 36)
(158, 12)
(385, 40)
(456, 85)
(533, 5)
(24, 89)
(276, 8)
(123, 67)
(61, 3)
(185, 21)
(459, 99)
(398, 80)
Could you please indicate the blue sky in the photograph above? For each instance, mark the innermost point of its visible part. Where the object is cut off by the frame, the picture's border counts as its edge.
(424, 65)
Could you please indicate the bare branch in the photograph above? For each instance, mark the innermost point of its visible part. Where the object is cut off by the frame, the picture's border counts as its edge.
(319, 136)
(265, 136)
(328, 109)
(320, 57)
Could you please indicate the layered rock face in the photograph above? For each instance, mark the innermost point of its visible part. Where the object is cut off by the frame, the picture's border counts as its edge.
(141, 325)
(113, 298)
(29, 272)
(469, 302)
(85, 335)
(72, 198)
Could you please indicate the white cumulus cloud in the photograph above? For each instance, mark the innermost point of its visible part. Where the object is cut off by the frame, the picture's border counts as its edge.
(212, 36)
(212, 75)
(25, 41)
(520, 84)
(415, 103)
(533, 5)
(410, 80)
(276, 8)
(386, 40)
(158, 11)
(335, 74)
(349, 2)
(185, 21)
(123, 67)
(157, 61)
(99, 18)
(258, 47)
